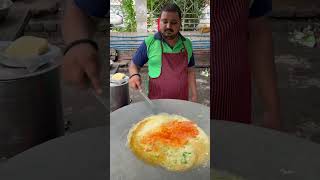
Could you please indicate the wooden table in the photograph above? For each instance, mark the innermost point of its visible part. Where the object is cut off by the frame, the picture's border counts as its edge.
(13, 26)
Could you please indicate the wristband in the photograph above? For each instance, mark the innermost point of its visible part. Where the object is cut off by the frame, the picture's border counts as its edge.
(80, 41)
(137, 74)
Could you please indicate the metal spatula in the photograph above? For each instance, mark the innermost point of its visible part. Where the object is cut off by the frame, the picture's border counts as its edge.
(151, 104)
(101, 99)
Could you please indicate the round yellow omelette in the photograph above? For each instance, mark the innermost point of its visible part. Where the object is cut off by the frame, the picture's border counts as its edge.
(170, 141)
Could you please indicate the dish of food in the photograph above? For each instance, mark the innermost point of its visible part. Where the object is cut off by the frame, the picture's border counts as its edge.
(118, 76)
(27, 46)
(170, 141)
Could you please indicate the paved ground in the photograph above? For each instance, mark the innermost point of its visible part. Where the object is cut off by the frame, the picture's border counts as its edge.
(296, 8)
(299, 82)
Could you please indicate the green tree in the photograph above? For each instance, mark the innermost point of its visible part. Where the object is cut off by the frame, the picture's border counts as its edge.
(129, 13)
(192, 10)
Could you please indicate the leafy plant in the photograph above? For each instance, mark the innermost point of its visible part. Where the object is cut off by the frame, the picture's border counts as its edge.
(129, 15)
(118, 29)
(191, 10)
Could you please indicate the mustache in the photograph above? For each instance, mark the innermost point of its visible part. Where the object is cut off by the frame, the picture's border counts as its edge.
(168, 30)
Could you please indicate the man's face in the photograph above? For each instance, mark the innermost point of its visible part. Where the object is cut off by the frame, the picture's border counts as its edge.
(169, 24)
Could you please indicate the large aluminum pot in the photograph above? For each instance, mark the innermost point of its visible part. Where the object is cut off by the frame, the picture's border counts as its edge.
(119, 95)
(30, 108)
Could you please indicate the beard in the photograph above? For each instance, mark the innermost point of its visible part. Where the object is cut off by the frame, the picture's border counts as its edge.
(169, 34)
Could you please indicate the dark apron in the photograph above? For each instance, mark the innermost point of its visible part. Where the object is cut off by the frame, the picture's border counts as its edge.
(173, 80)
(230, 73)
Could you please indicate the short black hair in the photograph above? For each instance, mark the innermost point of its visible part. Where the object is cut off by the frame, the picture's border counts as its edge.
(171, 7)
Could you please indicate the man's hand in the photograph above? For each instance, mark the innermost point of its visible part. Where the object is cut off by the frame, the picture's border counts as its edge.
(80, 64)
(135, 82)
(263, 69)
(192, 84)
(272, 120)
(194, 98)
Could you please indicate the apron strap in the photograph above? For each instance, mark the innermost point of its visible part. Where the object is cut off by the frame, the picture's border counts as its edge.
(184, 47)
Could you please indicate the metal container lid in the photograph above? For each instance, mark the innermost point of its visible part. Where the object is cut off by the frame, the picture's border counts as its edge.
(14, 69)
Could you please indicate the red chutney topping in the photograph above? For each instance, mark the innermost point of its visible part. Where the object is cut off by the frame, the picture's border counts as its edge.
(173, 133)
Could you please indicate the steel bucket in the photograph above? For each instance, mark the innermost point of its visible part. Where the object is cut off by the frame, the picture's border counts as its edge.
(119, 95)
(30, 108)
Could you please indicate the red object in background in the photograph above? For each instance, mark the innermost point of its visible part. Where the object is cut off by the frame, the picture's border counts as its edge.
(158, 23)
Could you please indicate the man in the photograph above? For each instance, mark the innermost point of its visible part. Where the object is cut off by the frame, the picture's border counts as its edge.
(80, 63)
(242, 46)
(241, 43)
(170, 60)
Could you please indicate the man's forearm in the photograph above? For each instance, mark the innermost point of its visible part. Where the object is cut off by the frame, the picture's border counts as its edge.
(262, 63)
(192, 81)
(76, 24)
(133, 69)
